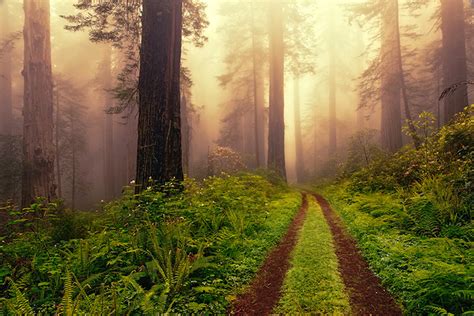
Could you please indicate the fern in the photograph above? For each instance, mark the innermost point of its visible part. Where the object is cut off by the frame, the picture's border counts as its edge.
(170, 263)
(438, 311)
(467, 295)
(18, 304)
(67, 307)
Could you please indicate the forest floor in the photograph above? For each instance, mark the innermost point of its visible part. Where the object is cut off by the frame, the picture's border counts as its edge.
(264, 292)
(366, 294)
(237, 245)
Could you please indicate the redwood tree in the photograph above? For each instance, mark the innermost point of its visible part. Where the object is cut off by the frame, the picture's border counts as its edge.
(109, 155)
(391, 123)
(38, 145)
(159, 124)
(453, 56)
(6, 116)
(276, 132)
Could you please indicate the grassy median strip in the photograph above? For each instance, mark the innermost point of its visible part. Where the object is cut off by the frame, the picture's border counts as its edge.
(313, 283)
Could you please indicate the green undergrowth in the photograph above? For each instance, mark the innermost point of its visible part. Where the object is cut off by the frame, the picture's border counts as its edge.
(313, 284)
(430, 275)
(147, 254)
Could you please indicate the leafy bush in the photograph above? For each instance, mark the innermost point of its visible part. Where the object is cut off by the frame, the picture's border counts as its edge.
(225, 160)
(362, 151)
(189, 252)
(411, 215)
(448, 153)
(426, 274)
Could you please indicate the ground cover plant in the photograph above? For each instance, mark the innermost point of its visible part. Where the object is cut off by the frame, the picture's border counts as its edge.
(411, 215)
(313, 283)
(148, 253)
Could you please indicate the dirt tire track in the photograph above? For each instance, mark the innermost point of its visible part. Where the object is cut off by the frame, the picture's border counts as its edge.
(265, 290)
(366, 293)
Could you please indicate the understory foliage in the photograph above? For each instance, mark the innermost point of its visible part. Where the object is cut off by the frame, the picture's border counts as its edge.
(151, 253)
(435, 181)
(411, 215)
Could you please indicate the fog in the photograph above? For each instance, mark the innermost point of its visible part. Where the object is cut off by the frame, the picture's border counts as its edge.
(332, 42)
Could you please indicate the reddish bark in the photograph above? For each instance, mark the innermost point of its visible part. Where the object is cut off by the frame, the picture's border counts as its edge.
(38, 145)
(159, 154)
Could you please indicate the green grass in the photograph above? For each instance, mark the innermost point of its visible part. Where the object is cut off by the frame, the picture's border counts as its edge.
(313, 283)
(427, 274)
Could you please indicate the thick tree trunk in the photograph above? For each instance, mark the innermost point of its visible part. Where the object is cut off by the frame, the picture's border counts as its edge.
(453, 56)
(38, 145)
(258, 99)
(6, 103)
(299, 161)
(159, 124)
(276, 133)
(391, 125)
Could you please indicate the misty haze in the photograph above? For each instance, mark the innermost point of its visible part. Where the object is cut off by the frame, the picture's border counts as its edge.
(239, 157)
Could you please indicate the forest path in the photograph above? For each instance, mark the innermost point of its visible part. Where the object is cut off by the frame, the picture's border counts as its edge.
(265, 291)
(366, 293)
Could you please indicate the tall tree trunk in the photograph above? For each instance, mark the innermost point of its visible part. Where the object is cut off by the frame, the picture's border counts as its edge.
(186, 133)
(391, 125)
(159, 123)
(73, 166)
(131, 146)
(38, 145)
(109, 180)
(299, 161)
(360, 49)
(453, 56)
(332, 129)
(56, 143)
(6, 103)
(276, 133)
(316, 150)
(109, 161)
(332, 145)
(403, 86)
(258, 98)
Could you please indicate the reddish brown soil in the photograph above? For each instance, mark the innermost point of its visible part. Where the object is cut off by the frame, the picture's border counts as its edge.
(264, 292)
(367, 295)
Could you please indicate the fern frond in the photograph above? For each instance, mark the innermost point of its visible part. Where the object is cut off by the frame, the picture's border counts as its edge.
(18, 304)
(66, 302)
(439, 311)
(464, 294)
